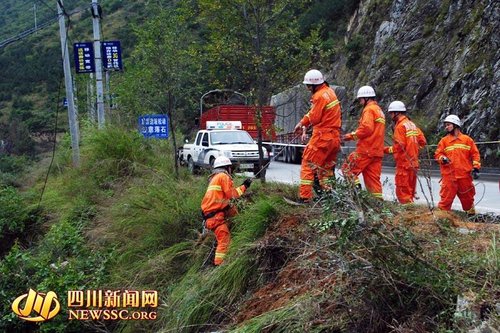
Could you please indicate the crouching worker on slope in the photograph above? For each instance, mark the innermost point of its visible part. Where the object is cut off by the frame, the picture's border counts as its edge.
(320, 155)
(407, 141)
(216, 204)
(367, 158)
(458, 156)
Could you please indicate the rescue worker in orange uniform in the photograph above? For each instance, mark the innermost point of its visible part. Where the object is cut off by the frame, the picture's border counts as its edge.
(216, 205)
(320, 154)
(459, 161)
(367, 157)
(407, 141)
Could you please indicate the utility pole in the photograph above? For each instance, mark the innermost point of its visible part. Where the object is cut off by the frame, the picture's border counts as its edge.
(108, 89)
(73, 125)
(96, 16)
(92, 100)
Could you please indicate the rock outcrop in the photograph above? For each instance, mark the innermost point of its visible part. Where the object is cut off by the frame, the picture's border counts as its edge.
(439, 57)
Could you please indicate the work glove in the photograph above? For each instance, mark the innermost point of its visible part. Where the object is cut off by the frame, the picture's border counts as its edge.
(348, 137)
(475, 173)
(445, 160)
(247, 182)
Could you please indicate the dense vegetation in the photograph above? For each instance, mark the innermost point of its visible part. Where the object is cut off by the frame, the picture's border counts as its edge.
(126, 220)
(180, 52)
(123, 221)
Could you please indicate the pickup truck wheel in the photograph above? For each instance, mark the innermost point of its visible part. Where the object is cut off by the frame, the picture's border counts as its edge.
(212, 160)
(255, 168)
(191, 167)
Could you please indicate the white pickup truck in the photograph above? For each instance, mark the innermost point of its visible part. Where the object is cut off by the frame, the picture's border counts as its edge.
(222, 139)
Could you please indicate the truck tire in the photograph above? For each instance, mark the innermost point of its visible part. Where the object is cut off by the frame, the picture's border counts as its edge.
(282, 153)
(288, 153)
(256, 171)
(193, 169)
(293, 155)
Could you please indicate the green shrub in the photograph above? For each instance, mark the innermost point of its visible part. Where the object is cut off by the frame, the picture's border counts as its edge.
(61, 261)
(13, 212)
(13, 164)
(354, 50)
(113, 152)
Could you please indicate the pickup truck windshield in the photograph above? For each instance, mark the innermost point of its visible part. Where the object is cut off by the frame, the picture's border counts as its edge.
(230, 137)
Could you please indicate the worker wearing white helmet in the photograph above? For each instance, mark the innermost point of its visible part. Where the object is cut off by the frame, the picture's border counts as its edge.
(216, 206)
(367, 158)
(459, 161)
(324, 116)
(407, 141)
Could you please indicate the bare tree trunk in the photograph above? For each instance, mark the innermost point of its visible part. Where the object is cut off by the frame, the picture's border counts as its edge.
(258, 116)
(170, 108)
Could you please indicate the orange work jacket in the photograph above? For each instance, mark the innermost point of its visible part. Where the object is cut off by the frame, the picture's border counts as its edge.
(371, 130)
(462, 153)
(324, 114)
(408, 139)
(220, 191)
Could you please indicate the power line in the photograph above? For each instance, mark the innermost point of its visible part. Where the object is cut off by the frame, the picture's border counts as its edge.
(30, 31)
(20, 18)
(50, 7)
(26, 33)
(8, 6)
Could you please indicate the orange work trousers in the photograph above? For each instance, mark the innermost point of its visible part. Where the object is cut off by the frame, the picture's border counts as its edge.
(370, 167)
(461, 187)
(406, 184)
(219, 224)
(318, 160)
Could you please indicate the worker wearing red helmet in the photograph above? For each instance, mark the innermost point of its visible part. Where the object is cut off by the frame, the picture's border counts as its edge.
(216, 205)
(324, 116)
(459, 161)
(407, 141)
(367, 158)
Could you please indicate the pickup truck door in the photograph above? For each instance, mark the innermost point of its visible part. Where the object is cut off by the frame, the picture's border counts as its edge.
(200, 148)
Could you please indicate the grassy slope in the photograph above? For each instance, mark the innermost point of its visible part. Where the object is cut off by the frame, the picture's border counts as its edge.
(124, 221)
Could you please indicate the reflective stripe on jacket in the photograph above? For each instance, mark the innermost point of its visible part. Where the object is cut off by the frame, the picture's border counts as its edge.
(408, 139)
(462, 153)
(324, 114)
(370, 131)
(219, 192)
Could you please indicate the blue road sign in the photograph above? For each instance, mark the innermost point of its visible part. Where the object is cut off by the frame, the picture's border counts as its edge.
(154, 126)
(112, 56)
(84, 57)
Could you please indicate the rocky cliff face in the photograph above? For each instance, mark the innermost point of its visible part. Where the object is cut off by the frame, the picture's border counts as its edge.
(439, 57)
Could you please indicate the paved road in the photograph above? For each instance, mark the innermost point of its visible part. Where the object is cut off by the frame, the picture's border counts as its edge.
(487, 191)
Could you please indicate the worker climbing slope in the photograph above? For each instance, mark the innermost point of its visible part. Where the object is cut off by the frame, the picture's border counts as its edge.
(367, 157)
(407, 141)
(459, 161)
(216, 205)
(320, 154)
